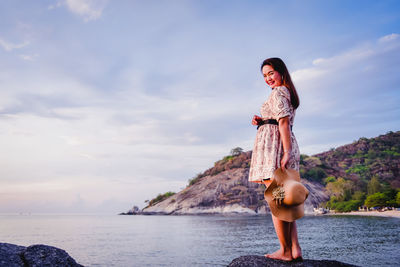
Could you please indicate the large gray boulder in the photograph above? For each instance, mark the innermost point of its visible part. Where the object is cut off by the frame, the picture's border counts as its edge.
(261, 261)
(34, 256)
(10, 255)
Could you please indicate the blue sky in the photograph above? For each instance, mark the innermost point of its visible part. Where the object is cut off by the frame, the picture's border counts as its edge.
(104, 104)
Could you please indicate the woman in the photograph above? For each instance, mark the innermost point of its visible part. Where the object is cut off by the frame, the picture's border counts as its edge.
(276, 146)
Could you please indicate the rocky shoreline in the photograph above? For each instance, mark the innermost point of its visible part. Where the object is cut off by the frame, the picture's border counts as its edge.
(388, 213)
(36, 255)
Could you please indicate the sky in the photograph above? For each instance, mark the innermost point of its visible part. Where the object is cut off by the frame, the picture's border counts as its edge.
(105, 104)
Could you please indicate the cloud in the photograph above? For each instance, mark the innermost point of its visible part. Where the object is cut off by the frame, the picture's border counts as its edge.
(389, 38)
(361, 57)
(8, 46)
(56, 5)
(88, 9)
(29, 57)
(56, 126)
(348, 95)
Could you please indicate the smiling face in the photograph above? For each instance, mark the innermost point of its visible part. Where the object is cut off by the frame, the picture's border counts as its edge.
(271, 76)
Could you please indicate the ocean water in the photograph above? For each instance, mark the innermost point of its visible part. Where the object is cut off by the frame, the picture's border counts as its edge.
(112, 240)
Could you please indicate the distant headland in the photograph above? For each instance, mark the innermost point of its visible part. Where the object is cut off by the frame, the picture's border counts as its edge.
(362, 175)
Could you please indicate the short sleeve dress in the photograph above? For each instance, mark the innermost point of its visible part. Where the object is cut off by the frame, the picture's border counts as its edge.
(268, 148)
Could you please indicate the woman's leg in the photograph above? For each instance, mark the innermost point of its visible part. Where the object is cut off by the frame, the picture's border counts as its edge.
(283, 231)
(296, 250)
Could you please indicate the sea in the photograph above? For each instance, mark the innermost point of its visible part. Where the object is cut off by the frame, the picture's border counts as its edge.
(213, 240)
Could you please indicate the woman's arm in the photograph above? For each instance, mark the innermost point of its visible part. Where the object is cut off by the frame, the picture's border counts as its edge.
(284, 131)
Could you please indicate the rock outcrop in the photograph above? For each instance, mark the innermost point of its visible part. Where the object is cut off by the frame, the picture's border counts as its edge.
(133, 211)
(227, 192)
(261, 261)
(36, 255)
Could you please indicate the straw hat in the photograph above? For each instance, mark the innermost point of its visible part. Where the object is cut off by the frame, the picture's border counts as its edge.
(286, 201)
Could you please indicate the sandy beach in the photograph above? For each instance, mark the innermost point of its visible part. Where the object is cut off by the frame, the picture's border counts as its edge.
(388, 213)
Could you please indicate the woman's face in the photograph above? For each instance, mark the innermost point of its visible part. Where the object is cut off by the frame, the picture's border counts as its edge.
(271, 76)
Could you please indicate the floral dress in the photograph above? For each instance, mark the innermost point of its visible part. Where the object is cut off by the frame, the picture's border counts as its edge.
(268, 148)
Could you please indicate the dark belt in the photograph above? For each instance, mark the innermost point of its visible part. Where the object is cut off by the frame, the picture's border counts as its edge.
(269, 121)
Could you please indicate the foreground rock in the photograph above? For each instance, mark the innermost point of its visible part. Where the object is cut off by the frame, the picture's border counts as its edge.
(34, 256)
(261, 261)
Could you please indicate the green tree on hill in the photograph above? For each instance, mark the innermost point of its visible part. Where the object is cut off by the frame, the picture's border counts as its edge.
(236, 151)
(160, 198)
(195, 179)
(359, 196)
(376, 200)
(374, 186)
(316, 174)
(329, 179)
(398, 198)
(341, 189)
(390, 195)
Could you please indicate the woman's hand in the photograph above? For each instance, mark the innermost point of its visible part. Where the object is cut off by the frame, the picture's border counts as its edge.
(256, 120)
(285, 159)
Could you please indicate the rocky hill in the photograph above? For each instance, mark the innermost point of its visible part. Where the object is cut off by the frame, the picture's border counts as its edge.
(359, 161)
(224, 188)
(226, 192)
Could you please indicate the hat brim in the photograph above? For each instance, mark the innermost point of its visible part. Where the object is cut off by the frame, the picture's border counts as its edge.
(282, 211)
(282, 174)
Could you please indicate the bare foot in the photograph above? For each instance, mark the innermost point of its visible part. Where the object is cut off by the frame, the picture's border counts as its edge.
(296, 252)
(280, 255)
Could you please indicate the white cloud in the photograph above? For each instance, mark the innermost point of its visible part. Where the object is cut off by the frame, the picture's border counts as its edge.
(358, 57)
(88, 9)
(342, 96)
(29, 57)
(388, 38)
(349, 68)
(56, 5)
(8, 46)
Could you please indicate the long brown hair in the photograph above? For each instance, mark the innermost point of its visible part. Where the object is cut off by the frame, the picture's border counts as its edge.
(278, 65)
